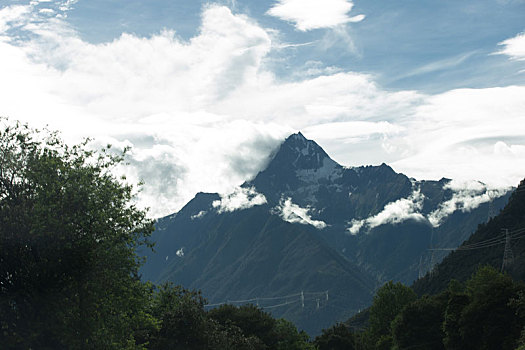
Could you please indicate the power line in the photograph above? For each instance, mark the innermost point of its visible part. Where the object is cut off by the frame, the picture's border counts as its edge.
(301, 298)
(492, 242)
(278, 305)
(506, 238)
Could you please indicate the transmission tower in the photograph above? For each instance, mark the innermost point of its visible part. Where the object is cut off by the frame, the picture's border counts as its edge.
(508, 257)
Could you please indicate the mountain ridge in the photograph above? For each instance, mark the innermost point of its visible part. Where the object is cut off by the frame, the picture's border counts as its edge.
(307, 223)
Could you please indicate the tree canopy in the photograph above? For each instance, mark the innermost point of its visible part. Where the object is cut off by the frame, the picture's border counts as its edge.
(68, 233)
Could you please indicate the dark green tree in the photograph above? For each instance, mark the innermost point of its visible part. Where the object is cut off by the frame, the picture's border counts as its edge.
(337, 337)
(182, 319)
(418, 325)
(250, 319)
(184, 324)
(458, 299)
(388, 302)
(488, 321)
(68, 235)
(288, 338)
(518, 304)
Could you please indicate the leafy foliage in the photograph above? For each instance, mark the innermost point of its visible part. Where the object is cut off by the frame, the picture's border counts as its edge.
(336, 337)
(388, 302)
(487, 312)
(255, 323)
(68, 233)
(419, 325)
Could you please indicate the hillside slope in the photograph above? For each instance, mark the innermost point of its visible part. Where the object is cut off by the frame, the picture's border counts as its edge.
(485, 247)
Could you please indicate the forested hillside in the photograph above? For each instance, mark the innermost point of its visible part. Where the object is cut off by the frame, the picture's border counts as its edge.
(485, 247)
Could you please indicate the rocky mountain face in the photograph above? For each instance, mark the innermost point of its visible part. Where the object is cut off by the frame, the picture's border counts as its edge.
(311, 240)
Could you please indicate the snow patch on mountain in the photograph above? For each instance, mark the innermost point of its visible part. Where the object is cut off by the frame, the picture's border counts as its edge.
(393, 213)
(468, 195)
(330, 170)
(240, 198)
(293, 213)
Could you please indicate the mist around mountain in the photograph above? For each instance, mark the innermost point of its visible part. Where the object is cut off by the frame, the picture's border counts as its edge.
(308, 231)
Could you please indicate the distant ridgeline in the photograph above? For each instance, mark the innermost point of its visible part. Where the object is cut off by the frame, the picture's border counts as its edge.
(499, 243)
(306, 225)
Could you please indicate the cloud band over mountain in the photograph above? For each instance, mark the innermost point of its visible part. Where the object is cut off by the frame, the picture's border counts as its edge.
(213, 105)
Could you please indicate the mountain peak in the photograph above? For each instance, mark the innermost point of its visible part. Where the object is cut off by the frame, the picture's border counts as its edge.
(298, 136)
(300, 153)
(297, 162)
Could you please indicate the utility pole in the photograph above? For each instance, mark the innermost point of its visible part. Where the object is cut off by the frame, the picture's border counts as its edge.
(302, 299)
(508, 257)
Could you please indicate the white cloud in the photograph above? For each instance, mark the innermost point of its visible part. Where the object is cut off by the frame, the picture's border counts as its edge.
(502, 149)
(514, 47)
(355, 226)
(47, 11)
(241, 198)
(314, 14)
(199, 215)
(204, 114)
(11, 16)
(293, 213)
(395, 212)
(454, 135)
(468, 195)
(351, 131)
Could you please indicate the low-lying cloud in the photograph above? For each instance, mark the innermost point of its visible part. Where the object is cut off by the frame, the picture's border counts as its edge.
(393, 213)
(467, 196)
(293, 213)
(241, 198)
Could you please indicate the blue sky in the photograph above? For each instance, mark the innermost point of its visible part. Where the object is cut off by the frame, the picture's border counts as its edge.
(433, 88)
(428, 45)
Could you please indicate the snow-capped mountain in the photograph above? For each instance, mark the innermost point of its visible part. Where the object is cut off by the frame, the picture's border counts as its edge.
(306, 223)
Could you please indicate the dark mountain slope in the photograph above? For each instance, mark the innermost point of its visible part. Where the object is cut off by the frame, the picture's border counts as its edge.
(461, 264)
(252, 253)
(306, 223)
